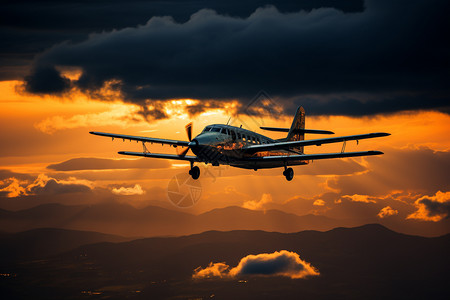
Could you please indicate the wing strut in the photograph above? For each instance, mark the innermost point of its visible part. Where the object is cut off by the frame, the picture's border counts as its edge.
(145, 150)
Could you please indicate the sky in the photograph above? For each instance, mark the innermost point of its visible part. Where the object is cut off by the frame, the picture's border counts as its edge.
(149, 68)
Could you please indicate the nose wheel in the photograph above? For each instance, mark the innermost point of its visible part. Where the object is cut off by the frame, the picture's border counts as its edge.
(194, 172)
(288, 173)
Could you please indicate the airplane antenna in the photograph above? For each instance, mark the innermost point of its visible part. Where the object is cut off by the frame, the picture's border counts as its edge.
(229, 120)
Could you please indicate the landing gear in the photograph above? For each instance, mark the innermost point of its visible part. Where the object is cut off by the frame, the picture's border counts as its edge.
(288, 173)
(194, 172)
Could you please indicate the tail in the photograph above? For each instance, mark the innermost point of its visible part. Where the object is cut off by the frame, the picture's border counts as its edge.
(297, 132)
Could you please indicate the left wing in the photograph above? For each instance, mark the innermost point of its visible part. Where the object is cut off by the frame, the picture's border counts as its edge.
(159, 155)
(317, 142)
(142, 138)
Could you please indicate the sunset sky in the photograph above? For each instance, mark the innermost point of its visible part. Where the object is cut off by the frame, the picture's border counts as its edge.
(355, 66)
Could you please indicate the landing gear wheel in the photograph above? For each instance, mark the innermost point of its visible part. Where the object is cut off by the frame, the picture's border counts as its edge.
(289, 174)
(195, 172)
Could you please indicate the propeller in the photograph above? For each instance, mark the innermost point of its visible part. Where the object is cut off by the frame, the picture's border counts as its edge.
(189, 134)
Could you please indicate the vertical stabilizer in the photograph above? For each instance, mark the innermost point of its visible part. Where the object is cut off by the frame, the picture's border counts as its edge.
(296, 132)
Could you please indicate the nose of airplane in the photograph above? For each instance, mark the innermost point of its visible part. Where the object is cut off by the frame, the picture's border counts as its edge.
(193, 143)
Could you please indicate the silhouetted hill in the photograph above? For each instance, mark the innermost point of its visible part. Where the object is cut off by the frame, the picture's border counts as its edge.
(44, 242)
(234, 217)
(367, 262)
(125, 220)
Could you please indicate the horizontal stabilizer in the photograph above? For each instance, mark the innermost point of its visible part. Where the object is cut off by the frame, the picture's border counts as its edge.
(297, 130)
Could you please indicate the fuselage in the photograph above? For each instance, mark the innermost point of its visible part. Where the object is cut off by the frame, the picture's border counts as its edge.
(222, 144)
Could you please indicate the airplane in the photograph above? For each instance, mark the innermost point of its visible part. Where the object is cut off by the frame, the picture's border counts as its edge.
(220, 144)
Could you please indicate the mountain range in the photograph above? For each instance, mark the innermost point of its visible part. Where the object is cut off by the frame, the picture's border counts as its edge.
(126, 220)
(369, 262)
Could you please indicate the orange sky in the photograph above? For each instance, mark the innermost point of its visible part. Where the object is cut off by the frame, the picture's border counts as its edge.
(39, 131)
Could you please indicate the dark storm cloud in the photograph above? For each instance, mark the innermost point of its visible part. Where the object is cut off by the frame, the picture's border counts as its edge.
(435, 208)
(27, 27)
(394, 50)
(81, 163)
(46, 80)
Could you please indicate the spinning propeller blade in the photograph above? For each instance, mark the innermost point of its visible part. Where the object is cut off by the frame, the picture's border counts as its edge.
(189, 135)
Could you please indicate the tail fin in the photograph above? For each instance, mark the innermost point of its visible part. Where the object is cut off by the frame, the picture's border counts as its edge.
(294, 133)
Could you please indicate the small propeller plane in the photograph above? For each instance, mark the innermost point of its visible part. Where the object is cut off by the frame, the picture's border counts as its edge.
(235, 146)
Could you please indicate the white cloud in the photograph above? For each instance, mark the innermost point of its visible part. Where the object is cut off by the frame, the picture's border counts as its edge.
(127, 191)
(387, 212)
(258, 205)
(278, 263)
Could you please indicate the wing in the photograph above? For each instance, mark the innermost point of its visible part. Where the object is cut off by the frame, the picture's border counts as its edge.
(141, 138)
(317, 142)
(314, 156)
(158, 155)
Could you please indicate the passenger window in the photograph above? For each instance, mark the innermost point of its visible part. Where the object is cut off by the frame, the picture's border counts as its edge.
(233, 135)
(239, 136)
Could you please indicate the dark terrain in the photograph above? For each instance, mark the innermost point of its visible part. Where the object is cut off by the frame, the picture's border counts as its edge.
(367, 262)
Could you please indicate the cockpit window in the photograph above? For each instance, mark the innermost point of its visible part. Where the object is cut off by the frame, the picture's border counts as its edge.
(207, 128)
(224, 131)
(215, 129)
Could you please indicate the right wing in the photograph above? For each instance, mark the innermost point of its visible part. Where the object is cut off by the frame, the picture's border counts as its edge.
(313, 156)
(317, 142)
(142, 138)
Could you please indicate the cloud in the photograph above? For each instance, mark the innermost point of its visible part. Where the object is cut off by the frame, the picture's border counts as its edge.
(319, 202)
(12, 189)
(27, 29)
(44, 185)
(76, 164)
(127, 191)
(47, 80)
(212, 270)
(278, 263)
(434, 208)
(333, 63)
(258, 205)
(360, 198)
(387, 212)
